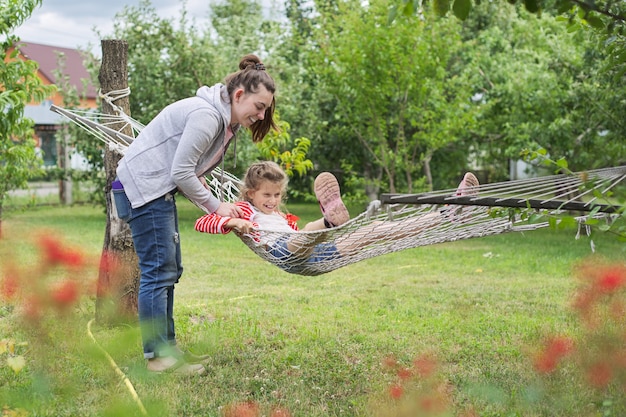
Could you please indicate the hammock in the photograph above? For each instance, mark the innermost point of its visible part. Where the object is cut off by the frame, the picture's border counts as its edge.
(402, 221)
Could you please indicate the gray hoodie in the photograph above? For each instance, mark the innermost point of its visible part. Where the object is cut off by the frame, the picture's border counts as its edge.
(184, 141)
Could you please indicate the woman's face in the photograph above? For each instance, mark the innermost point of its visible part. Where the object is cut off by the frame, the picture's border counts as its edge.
(267, 197)
(246, 109)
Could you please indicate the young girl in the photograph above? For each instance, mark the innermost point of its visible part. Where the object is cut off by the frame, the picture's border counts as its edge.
(261, 196)
(265, 184)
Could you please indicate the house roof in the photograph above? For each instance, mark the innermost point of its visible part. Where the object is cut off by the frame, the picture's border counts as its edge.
(48, 58)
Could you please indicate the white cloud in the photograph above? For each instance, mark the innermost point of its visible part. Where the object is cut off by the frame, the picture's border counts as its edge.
(71, 24)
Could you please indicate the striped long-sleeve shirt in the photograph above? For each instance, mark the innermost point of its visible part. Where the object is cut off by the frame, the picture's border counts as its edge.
(277, 221)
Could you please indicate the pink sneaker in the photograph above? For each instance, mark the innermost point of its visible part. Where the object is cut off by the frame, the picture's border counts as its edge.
(468, 185)
(328, 195)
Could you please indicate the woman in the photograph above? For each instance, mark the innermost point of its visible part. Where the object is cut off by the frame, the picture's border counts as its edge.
(186, 140)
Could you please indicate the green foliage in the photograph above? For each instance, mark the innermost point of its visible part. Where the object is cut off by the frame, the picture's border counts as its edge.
(288, 153)
(615, 200)
(539, 86)
(605, 17)
(321, 346)
(393, 95)
(20, 84)
(167, 60)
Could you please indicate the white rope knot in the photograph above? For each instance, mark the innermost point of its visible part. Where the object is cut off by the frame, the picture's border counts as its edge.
(115, 95)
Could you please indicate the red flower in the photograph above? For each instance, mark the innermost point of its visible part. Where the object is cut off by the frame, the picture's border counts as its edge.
(73, 258)
(249, 409)
(554, 350)
(52, 250)
(545, 364)
(396, 391)
(65, 294)
(10, 283)
(55, 254)
(599, 374)
(425, 365)
(559, 346)
(405, 373)
(611, 278)
(110, 263)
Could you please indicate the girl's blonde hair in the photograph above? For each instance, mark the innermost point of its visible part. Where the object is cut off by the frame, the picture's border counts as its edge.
(259, 172)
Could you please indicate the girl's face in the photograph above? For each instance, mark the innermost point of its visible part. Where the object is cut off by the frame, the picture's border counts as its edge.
(246, 109)
(267, 197)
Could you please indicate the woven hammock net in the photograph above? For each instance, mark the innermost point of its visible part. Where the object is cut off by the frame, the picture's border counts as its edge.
(402, 221)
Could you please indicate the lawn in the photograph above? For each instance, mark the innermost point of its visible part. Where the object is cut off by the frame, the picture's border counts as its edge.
(330, 345)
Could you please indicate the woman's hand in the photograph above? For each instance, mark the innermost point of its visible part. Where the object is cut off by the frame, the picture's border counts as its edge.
(229, 210)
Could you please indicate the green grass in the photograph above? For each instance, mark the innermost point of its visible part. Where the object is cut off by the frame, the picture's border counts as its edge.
(314, 345)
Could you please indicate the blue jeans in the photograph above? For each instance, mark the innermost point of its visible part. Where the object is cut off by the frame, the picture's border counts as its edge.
(322, 252)
(154, 227)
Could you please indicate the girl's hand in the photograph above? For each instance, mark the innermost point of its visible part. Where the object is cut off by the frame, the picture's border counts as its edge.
(241, 225)
(229, 210)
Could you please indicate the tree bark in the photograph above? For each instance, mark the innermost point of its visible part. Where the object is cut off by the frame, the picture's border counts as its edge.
(118, 280)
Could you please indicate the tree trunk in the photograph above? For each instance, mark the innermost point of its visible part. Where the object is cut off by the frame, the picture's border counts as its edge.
(429, 175)
(63, 161)
(118, 281)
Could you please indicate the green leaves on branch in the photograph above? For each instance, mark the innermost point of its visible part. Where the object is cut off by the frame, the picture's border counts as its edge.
(288, 153)
(588, 13)
(20, 85)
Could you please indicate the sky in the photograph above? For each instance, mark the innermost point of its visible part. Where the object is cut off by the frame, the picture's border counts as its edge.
(71, 23)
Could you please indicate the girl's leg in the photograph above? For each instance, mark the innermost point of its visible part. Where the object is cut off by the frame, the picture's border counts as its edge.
(301, 244)
(395, 230)
(386, 230)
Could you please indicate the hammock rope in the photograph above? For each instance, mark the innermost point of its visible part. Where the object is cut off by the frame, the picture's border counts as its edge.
(402, 221)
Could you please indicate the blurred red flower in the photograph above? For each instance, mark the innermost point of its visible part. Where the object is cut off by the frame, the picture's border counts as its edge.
(110, 263)
(405, 373)
(248, 409)
(396, 391)
(10, 283)
(65, 294)
(55, 254)
(554, 350)
(425, 365)
(599, 374)
(611, 278)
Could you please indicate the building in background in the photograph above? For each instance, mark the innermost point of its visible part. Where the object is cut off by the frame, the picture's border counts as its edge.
(59, 66)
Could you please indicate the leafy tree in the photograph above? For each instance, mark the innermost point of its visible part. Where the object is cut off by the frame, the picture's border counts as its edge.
(170, 59)
(540, 87)
(396, 97)
(606, 16)
(20, 85)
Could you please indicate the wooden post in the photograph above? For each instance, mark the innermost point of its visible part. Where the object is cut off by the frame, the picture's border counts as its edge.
(118, 281)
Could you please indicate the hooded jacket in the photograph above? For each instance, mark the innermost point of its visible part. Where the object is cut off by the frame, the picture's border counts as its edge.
(186, 140)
